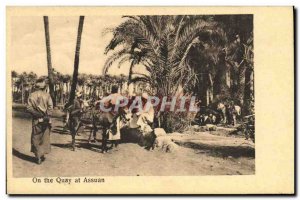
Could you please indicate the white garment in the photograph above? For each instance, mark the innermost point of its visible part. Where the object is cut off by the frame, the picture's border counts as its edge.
(238, 110)
(133, 121)
(146, 117)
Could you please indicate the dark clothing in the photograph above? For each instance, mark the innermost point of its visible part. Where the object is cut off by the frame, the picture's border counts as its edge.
(75, 114)
(230, 111)
(40, 138)
(40, 106)
(74, 120)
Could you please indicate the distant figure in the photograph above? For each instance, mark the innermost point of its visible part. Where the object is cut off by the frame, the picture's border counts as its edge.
(222, 109)
(237, 113)
(202, 120)
(75, 111)
(229, 114)
(233, 111)
(40, 106)
(211, 119)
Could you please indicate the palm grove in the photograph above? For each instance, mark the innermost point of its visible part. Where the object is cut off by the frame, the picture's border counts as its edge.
(210, 56)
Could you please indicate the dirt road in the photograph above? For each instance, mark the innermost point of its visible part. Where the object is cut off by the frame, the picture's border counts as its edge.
(128, 160)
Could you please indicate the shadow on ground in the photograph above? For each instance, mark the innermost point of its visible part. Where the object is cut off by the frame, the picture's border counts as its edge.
(23, 156)
(220, 151)
(81, 143)
(60, 130)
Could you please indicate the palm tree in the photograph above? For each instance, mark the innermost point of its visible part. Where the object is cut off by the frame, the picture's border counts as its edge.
(101, 85)
(249, 78)
(82, 79)
(239, 29)
(14, 76)
(89, 85)
(66, 82)
(58, 80)
(121, 81)
(49, 63)
(162, 45)
(31, 79)
(76, 62)
(23, 78)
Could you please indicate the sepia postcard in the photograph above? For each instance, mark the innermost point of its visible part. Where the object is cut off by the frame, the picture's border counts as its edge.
(150, 100)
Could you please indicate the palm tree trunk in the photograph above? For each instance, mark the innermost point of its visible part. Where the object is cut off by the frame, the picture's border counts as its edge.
(49, 63)
(22, 93)
(61, 92)
(249, 91)
(76, 62)
(83, 92)
(221, 88)
(241, 84)
(13, 88)
(68, 88)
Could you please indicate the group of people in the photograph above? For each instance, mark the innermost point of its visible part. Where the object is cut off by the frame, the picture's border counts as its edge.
(40, 106)
(229, 112)
(113, 121)
(224, 113)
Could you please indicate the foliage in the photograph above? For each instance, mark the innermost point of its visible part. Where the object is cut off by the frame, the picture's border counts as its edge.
(197, 53)
(61, 82)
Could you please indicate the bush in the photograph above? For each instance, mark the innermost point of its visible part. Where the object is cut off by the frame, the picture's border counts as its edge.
(176, 121)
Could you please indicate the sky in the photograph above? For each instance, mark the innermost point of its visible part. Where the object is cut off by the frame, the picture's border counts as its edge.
(28, 49)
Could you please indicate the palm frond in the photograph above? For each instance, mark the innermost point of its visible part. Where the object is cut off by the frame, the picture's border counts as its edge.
(140, 79)
(126, 58)
(115, 56)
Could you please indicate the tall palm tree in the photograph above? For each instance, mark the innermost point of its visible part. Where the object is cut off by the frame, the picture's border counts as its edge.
(162, 45)
(76, 62)
(239, 29)
(23, 79)
(49, 63)
(249, 78)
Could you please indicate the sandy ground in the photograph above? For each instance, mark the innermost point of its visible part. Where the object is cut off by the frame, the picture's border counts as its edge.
(194, 156)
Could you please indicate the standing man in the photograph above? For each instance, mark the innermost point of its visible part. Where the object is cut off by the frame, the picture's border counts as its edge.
(40, 106)
(145, 122)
